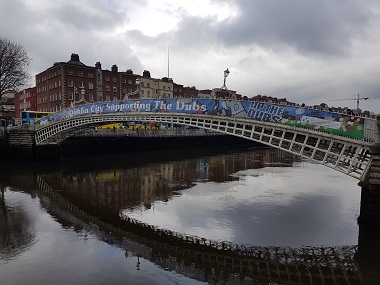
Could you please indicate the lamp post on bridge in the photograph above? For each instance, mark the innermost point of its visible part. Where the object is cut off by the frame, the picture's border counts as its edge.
(223, 90)
(73, 98)
(82, 92)
(136, 92)
(226, 73)
(138, 85)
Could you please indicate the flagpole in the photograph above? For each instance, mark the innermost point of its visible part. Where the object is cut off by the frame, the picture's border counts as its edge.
(168, 62)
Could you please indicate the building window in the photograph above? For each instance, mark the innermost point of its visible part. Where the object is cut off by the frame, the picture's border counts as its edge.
(148, 84)
(80, 84)
(114, 89)
(142, 92)
(107, 78)
(124, 80)
(114, 79)
(80, 73)
(124, 90)
(70, 95)
(108, 98)
(91, 97)
(70, 83)
(90, 75)
(90, 85)
(108, 88)
(129, 81)
(130, 90)
(70, 72)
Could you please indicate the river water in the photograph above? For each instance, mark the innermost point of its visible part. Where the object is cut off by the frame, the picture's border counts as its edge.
(199, 216)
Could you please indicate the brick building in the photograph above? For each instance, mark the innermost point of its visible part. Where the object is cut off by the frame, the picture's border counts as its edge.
(71, 83)
(25, 100)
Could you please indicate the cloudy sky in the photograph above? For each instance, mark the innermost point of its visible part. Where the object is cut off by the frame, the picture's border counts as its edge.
(308, 51)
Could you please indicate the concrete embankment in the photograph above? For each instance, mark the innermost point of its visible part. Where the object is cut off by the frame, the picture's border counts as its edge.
(82, 146)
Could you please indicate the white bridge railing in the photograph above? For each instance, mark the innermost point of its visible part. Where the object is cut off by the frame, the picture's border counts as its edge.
(347, 155)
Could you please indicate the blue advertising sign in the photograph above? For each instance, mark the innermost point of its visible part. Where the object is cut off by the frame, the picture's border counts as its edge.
(283, 114)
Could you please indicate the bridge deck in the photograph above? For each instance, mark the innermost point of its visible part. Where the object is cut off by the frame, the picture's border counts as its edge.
(147, 133)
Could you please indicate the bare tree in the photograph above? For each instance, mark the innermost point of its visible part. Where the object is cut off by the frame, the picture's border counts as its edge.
(14, 66)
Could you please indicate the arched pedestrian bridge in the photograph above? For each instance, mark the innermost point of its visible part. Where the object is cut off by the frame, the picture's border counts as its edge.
(339, 141)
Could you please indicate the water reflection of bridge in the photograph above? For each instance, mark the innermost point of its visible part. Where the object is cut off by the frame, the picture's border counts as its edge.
(192, 256)
(113, 187)
(207, 260)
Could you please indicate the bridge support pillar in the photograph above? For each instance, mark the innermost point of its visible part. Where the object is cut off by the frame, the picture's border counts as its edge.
(370, 193)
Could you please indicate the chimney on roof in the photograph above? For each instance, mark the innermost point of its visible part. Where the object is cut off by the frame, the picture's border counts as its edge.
(98, 65)
(75, 57)
(129, 71)
(146, 74)
(114, 68)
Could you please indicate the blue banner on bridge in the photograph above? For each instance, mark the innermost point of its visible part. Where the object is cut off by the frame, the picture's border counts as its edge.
(335, 123)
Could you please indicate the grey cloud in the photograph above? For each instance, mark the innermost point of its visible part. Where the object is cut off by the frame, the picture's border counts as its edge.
(196, 32)
(308, 26)
(81, 17)
(317, 27)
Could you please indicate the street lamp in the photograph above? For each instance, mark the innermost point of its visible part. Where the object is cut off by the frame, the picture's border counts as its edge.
(73, 99)
(226, 73)
(82, 92)
(138, 85)
(136, 92)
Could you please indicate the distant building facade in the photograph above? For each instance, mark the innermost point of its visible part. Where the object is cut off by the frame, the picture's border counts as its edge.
(7, 106)
(71, 83)
(25, 100)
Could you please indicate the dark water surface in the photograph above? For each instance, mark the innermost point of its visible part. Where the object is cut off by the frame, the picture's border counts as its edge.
(197, 216)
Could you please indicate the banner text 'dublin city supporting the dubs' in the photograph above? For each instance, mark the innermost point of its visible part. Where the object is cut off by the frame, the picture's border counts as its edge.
(335, 123)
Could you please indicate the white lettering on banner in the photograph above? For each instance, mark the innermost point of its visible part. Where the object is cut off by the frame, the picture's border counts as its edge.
(265, 112)
(194, 106)
(96, 109)
(73, 112)
(125, 107)
(162, 105)
(320, 122)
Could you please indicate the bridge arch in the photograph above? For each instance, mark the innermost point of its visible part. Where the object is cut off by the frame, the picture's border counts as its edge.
(338, 141)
